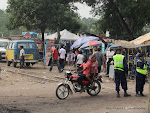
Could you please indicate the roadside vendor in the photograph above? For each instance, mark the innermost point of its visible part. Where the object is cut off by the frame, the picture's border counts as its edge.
(141, 72)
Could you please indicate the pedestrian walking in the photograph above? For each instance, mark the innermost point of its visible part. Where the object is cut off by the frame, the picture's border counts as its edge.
(99, 58)
(76, 54)
(62, 53)
(141, 72)
(22, 52)
(55, 59)
(120, 68)
(110, 53)
(79, 59)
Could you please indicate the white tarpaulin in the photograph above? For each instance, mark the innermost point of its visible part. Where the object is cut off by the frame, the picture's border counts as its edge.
(64, 35)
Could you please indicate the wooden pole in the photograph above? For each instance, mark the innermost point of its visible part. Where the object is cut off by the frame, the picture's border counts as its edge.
(149, 97)
(128, 62)
(145, 53)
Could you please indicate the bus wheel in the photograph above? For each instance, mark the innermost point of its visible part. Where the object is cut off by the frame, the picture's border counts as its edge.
(27, 64)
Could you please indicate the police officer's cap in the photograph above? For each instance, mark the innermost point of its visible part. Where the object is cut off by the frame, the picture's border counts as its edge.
(118, 50)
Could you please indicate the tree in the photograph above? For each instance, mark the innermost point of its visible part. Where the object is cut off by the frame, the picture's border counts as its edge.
(122, 15)
(3, 29)
(3, 19)
(89, 25)
(40, 14)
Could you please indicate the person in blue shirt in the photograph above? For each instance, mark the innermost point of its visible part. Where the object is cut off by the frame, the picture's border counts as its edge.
(141, 72)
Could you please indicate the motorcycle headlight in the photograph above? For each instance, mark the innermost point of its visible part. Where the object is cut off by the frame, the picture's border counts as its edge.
(68, 74)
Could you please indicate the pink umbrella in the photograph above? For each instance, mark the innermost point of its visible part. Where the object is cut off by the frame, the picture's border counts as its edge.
(91, 43)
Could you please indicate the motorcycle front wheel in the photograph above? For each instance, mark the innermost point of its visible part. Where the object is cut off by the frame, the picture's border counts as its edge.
(62, 91)
(94, 92)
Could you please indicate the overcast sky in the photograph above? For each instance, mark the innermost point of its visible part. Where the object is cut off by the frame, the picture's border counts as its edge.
(84, 10)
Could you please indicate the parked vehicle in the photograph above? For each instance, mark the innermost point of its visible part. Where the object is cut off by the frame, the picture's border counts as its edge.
(63, 90)
(3, 45)
(13, 52)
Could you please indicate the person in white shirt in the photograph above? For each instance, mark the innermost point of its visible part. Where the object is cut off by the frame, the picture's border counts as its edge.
(79, 58)
(109, 55)
(62, 53)
(22, 52)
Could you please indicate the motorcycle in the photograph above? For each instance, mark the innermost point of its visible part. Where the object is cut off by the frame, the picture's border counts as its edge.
(63, 90)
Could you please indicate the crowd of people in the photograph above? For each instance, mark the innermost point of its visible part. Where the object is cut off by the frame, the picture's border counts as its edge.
(91, 66)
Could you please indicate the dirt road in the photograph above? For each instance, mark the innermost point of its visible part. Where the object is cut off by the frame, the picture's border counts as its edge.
(23, 94)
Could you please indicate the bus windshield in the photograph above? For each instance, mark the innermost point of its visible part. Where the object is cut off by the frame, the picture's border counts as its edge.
(29, 45)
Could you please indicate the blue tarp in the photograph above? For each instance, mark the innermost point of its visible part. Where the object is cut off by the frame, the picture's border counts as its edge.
(32, 33)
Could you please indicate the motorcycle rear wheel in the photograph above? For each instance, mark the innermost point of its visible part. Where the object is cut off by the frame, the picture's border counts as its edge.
(96, 90)
(62, 91)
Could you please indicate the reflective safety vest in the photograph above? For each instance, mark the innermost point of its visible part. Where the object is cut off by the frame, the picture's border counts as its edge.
(118, 62)
(142, 71)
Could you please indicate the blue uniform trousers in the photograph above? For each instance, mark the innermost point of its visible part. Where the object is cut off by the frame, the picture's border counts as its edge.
(140, 81)
(120, 77)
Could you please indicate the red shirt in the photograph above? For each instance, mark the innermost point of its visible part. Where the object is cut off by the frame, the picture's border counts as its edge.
(55, 54)
(88, 65)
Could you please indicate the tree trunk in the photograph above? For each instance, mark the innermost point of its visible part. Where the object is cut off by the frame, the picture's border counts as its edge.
(58, 36)
(43, 45)
(42, 36)
(124, 24)
(43, 40)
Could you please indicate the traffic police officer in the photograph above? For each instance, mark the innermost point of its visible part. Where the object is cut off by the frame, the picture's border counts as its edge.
(141, 72)
(120, 68)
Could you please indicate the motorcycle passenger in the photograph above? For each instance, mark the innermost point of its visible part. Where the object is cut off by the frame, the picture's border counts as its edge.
(94, 68)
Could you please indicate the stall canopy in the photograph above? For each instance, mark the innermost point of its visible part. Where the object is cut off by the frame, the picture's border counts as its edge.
(122, 45)
(142, 39)
(145, 45)
(83, 40)
(64, 35)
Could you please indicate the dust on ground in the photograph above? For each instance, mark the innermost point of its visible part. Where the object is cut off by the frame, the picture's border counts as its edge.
(24, 94)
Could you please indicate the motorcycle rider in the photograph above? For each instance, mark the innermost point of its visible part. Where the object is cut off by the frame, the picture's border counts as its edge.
(86, 69)
(83, 66)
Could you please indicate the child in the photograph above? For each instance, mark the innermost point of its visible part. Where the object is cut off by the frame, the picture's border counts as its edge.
(70, 57)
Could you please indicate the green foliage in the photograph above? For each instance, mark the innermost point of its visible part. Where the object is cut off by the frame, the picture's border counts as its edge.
(3, 20)
(4, 17)
(89, 25)
(42, 14)
(135, 15)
